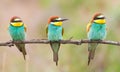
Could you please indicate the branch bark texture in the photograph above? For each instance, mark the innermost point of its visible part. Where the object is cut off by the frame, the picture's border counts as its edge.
(45, 41)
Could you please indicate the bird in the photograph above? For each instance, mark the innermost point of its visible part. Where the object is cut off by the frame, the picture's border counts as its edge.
(96, 31)
(55, 32)
(17, 30)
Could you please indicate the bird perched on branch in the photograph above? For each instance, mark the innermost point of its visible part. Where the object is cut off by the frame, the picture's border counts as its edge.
(96, 30)
(55, 31)
(17, 30)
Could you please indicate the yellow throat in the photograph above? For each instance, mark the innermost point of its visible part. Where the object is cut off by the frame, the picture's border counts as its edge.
(58, 23)
(100, 21)
(17, 24)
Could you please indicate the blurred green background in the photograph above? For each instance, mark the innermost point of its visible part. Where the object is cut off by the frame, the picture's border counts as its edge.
(72, 58)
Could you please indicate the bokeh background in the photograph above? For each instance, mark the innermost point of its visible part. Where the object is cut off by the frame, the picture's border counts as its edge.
(72, 58)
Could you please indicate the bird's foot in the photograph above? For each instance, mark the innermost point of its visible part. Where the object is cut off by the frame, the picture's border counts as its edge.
(10, 43)
(96, 40)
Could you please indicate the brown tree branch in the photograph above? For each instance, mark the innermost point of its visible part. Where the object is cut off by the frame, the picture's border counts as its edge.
(45, 41)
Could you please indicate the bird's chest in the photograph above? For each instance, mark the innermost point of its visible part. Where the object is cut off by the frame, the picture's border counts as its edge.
(54, 33)
(97, 31)
(97, 28)
(17, 33)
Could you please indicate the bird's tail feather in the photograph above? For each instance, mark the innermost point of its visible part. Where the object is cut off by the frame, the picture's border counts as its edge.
(91, 49)
(21, 48)
(55, 57)
(55, 48)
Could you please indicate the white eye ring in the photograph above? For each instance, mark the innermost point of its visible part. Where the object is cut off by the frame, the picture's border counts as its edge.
(100, 16)
(58, 18)
(17, 19)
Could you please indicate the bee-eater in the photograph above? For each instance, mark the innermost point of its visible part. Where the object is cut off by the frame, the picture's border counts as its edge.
(17, 31)
(96, 30)
(55, 31)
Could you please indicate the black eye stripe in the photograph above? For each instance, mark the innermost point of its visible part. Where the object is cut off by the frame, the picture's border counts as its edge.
(17, 21)
(56, 20)
(99, 18)
(60, 20)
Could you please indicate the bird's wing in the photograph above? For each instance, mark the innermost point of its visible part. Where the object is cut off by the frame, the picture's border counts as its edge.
(88, 26)
(62, 31)
(25, 27)
(46, 29)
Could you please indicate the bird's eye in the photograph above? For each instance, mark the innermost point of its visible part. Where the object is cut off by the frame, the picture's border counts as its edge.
(55, 20)
(99, 18)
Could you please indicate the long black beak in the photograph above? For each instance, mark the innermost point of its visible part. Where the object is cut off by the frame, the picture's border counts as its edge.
(63, 19)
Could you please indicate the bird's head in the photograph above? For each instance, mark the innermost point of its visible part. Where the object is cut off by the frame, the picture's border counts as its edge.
(99, 18)
(16, 21)
(55, 20)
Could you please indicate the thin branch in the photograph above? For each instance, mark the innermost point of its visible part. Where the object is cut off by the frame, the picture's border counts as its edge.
(45, 41)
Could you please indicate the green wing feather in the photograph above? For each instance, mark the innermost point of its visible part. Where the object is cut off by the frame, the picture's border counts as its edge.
(62, 31)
